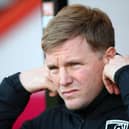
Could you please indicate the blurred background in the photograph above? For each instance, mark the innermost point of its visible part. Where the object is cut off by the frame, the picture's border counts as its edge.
(22, 23)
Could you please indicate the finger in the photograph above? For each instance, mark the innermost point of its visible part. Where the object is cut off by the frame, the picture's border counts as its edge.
(108, 84)
(52, 94)
(116, 90)
(111, 87)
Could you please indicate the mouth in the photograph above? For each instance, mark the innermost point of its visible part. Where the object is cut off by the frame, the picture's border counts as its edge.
(69, 93)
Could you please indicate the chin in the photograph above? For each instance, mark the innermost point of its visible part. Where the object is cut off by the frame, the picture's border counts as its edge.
(74, 105)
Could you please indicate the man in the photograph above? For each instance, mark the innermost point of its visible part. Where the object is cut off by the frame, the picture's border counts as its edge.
(80, 61)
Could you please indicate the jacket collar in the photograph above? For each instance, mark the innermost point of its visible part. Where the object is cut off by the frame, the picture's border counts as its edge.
(104, 102)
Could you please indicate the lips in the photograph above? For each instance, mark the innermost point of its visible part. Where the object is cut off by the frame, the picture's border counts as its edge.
(69, 93)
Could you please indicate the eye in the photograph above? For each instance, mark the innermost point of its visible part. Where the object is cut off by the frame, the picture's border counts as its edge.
(75, 65)
(53, 69)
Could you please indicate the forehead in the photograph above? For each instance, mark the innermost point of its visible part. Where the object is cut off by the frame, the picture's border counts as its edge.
(71, 49)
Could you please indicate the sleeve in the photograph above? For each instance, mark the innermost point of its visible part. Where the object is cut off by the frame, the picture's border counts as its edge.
(122, 80)
(13, 99)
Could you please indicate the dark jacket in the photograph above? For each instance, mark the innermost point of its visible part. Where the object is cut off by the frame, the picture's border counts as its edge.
(105, 112)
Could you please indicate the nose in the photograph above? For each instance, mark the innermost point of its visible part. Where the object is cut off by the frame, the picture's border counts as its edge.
(65, 78)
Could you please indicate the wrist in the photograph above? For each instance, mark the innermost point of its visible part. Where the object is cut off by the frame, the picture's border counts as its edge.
(119, 72)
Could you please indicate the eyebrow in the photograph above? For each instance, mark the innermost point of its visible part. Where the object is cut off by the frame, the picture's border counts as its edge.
(50, 66)
(73, 62)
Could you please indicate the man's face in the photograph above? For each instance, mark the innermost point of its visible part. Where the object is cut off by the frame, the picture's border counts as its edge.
(76, 71)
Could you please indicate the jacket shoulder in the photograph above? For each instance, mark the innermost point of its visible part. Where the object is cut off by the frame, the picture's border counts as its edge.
(47, 119)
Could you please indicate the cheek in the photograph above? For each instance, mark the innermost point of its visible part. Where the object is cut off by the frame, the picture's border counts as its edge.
(88, 74)
(82, 75)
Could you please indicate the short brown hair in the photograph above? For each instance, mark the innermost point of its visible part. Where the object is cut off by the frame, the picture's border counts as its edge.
(78, 20)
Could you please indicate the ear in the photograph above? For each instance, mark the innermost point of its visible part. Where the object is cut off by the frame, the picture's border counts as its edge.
(109, 53)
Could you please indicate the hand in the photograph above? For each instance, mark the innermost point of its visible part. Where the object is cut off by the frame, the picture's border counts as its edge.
(37, 79)
(110, 69)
